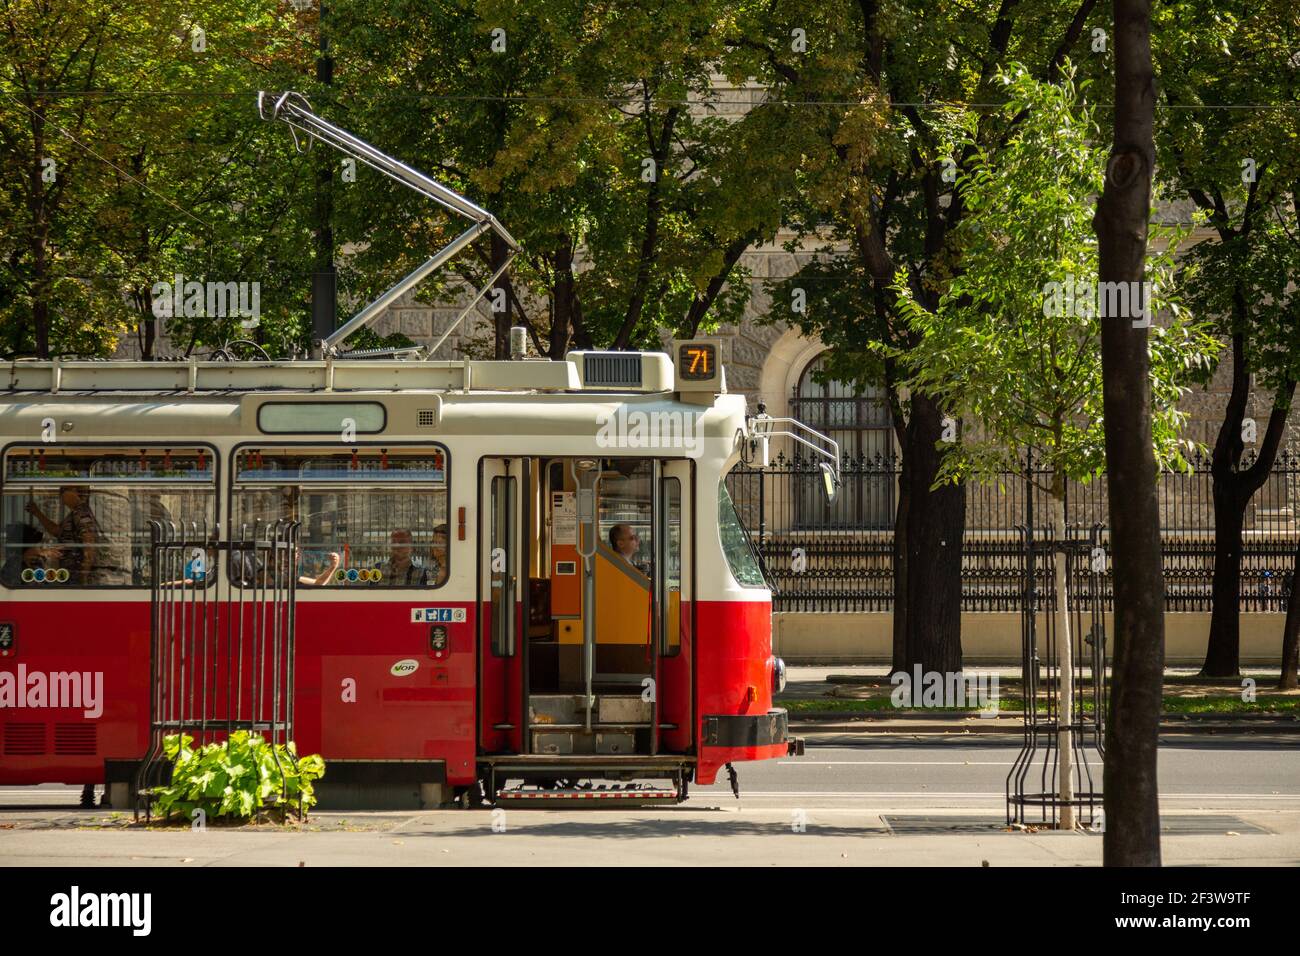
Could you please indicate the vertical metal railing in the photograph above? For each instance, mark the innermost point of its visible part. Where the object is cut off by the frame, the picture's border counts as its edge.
(222, 626)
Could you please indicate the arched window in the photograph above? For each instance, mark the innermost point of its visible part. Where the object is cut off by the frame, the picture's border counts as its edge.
(858, 419)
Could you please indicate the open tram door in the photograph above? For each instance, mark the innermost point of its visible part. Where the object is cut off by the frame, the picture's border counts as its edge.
(584, 653)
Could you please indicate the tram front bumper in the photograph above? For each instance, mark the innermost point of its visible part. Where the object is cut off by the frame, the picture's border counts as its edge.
(747, 730)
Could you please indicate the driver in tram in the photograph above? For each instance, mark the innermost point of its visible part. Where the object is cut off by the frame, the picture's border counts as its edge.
(626, 543)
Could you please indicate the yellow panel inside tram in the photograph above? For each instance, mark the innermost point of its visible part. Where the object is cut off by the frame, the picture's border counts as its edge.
(622, 571)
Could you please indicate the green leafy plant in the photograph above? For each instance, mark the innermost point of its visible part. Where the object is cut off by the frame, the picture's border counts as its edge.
(242, 778)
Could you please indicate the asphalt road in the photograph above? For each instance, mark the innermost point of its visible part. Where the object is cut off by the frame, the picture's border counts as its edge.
(947, 771)
(971, 771)
(852, 800)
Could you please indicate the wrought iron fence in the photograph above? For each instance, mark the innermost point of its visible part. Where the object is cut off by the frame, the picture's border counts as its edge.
(840, 557)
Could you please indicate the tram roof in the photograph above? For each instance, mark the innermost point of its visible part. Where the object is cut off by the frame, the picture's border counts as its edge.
(578, 372)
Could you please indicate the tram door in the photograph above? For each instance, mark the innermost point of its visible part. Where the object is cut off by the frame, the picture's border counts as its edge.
(503, 536)
(585, 606)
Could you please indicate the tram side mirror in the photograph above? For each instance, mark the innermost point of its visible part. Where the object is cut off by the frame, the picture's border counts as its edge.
(828, 482)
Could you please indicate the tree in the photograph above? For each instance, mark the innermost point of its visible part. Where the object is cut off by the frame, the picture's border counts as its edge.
(214, 198)
(1241, 169)
(49, 48)
(875, 83)
(1132, 808)
(1015, 356)
(593, 132)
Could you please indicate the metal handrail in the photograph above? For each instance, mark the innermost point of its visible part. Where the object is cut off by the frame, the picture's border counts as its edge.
(295, 111)
(763, 426)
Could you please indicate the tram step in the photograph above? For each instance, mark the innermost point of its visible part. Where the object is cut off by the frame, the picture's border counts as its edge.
(609, 709)
(561, 742)
(579, 727)
(639, 795)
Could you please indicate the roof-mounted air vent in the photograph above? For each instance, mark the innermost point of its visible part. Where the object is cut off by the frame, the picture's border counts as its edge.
(611, 369)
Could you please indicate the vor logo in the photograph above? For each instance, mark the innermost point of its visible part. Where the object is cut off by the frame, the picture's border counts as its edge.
(404, 668)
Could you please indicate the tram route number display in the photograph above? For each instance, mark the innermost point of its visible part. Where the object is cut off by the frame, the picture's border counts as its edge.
(437, 615)
(697, 363)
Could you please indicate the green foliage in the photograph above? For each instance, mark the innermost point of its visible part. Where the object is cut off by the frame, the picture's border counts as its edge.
(1239, 168)
(235, 779)
(1005, 348)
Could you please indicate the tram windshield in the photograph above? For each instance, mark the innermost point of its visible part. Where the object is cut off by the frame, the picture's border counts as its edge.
(735, 543)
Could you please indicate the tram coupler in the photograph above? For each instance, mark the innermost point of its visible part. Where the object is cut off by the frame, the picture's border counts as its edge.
(794, 747)
(734, 779)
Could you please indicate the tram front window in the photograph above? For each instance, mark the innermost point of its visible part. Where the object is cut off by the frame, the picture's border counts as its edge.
(374, 519)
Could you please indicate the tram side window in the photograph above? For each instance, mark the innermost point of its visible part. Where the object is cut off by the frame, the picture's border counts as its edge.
(82, 517)
(376, 519)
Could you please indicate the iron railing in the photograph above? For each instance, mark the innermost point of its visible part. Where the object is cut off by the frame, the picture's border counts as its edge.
(222, 644)
(840, 557)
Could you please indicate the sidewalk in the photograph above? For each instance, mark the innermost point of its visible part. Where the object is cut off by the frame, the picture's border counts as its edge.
(875, 836)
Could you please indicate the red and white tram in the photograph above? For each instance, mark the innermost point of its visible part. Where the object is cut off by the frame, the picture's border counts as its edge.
(521, 573)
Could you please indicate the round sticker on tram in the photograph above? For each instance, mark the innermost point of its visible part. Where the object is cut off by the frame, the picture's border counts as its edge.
(340, 575)
(405, 668)
(39, 574)
(28, 575)
(63, 574)
(353, 575)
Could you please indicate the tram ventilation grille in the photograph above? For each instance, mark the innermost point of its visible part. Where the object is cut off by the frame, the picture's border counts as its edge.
(612, 370)
(75, 739)
(426, 418)
(24, 740)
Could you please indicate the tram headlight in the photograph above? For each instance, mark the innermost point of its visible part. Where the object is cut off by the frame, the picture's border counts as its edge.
(778, 675)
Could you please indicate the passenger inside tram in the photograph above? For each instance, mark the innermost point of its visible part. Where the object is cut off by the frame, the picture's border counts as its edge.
(248, 569)
(22, 552)
(399, 570)
(79, 544)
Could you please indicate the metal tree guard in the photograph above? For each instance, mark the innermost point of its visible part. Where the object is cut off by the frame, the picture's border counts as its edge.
(222, 645)
(1032, 788)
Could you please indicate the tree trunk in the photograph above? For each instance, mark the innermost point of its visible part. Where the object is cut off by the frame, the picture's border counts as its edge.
(501, 320)
(40, 213)
(935, 525)
(1065, 660)
(1132, 836)
(324, 286)
(1222, 655)
(562, 299)
(901, 519)
(1291, 632)
(1233, 488)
